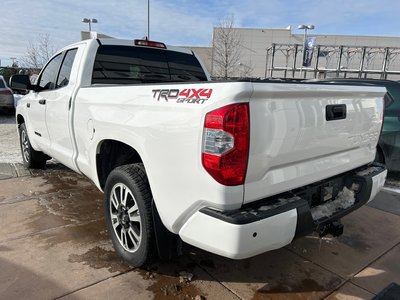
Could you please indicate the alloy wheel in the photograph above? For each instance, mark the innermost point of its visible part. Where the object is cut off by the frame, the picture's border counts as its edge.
(25, 145)
(125, 217)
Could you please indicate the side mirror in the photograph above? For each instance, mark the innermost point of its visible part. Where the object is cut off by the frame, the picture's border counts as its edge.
(21, 82)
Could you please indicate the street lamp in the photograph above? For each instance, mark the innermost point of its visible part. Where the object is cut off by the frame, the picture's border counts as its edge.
(90, 21)
(305, 28)
(13, 61)
(148, 19)
(243, 69)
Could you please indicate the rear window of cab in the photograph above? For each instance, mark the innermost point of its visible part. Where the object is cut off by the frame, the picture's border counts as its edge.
(131, 64)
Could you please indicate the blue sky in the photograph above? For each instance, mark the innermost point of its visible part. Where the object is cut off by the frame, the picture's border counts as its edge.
(185, 22)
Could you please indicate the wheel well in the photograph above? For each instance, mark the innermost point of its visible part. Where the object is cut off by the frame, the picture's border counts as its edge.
(20, 119)
(112, 154)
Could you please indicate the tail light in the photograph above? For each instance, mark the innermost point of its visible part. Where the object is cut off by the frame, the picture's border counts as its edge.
(226, 143)
(5, 92)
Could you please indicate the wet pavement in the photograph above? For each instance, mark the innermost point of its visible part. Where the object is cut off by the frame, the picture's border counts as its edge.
(54, 244)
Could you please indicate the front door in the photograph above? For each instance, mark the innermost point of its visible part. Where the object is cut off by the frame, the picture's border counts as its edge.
(36, 105)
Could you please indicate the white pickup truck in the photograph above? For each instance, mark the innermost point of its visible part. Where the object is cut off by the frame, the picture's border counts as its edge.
(236, 168)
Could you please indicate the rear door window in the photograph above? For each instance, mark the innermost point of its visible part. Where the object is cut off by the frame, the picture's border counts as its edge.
(65, 71)
(48, 77)
(129, 65)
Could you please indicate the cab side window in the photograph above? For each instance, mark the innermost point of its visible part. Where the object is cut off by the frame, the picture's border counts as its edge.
(47, 79)
(65, 72)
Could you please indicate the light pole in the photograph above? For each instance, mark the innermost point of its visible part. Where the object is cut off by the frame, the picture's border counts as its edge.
(148, 19)
(90, 21)
(13, 61)
(243, 70)
(305, 28)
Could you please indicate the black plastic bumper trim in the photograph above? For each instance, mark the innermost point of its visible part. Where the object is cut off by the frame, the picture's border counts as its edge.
(305, 223)
(250, 215)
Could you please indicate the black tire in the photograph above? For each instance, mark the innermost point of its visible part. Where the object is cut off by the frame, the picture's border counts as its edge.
(31, 158)
(130, 180)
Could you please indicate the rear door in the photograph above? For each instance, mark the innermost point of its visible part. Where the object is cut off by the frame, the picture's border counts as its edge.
(58, 110)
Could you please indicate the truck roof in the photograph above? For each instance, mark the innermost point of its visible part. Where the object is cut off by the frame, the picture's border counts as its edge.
(124, 42)
(121, 42)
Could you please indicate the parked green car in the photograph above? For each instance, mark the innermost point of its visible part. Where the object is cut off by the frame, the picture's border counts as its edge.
(388, 151)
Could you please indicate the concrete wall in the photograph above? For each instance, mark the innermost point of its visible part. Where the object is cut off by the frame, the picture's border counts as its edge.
(255, 41)
(205, 54)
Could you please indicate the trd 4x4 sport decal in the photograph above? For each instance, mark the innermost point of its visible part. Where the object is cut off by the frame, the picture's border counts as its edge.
(198, 96)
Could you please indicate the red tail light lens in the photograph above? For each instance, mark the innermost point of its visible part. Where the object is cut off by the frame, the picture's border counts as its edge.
(5, 92)
(226, 143)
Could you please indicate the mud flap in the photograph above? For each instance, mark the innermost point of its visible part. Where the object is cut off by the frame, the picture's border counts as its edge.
(169, 245)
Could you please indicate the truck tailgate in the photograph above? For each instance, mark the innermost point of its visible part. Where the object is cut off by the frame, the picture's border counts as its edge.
(303, 133)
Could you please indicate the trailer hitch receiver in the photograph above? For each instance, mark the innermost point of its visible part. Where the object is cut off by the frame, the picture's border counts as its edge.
(335, 229)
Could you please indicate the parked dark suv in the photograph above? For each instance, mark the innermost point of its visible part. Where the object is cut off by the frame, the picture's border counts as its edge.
(388, 150)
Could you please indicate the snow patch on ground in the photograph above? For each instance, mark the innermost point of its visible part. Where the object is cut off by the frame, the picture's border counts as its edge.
(344, 200)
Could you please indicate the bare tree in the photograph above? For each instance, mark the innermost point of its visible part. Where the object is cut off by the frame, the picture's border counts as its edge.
(39, 52)
(227, 49)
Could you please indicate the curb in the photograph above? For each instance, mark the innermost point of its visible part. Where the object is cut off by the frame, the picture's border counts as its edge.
(11, 170)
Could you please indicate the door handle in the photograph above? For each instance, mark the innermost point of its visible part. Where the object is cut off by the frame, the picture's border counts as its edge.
(28, 105)
(336, 112)
(42, 101)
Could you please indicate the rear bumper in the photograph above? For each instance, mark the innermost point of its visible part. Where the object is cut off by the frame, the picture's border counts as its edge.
(274, 222)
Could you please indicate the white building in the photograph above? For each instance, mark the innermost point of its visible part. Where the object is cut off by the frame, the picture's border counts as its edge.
(366, 53)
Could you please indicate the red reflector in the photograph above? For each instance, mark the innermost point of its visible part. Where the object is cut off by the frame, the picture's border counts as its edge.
(150, 44)
(229, 168)
(5, 92)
